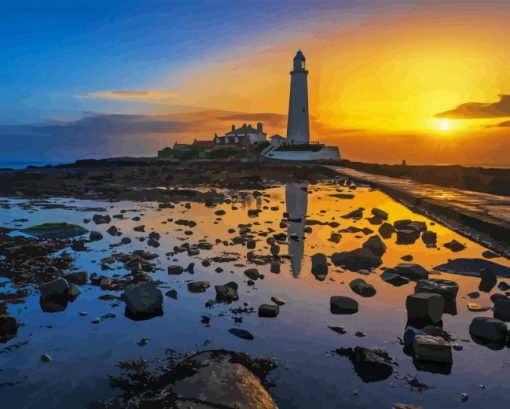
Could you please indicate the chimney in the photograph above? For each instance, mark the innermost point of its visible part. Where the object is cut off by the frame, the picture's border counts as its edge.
(259, 126)
(233, 127)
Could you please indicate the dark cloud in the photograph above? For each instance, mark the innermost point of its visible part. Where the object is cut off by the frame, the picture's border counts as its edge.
(473, 110)
(269, 119)
(504, 124)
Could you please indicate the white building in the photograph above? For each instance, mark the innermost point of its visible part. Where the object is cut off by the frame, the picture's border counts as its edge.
(297, 147)
(255, 135)
(298, 127)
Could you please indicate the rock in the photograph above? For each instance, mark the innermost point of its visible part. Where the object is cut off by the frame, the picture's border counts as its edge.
(56, 230)
(357, 259)
(371, 365)
(360, 334)
(407, 236)
(172, 294)
(432, 349)
(143, 301)
(464, 397)
(95, 236)
(73, 292)
(227, 292)
(490, 332)
(78, 278)
(361, 287)
(502, 309)
(343, 305)
(392, 277)
(275, 267)
(410, 333)
(473, 294)
(8, 328)
(217, 379)
(412, 271)
(474, 307)
(113, 231)
(425, 307)
(455, 246)
(446, 288)
(405, 406)
(55, 288)
(375, 245)
(338, 330)
(46, 358)
(198, 286)
(407, 257)
(355, 214)
(380, 214)
(504, 286)
(399, 224)
(278, 300)
(252, 273)
(268, 310)
(175, 269)
(241, 333)
(101, 219)
(488, 280)
(140, 228)
(429, 238)
(153, 243)
(319, 266)
(490, 254)
(335, 237)
(473, 266)
(386, 230)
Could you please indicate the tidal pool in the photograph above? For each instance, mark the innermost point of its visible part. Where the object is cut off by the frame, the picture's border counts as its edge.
(310, 373)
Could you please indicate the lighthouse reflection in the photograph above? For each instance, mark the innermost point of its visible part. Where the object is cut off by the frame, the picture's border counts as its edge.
(296, 200)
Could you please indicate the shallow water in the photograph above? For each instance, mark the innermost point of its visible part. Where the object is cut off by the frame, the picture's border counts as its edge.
(309, 373)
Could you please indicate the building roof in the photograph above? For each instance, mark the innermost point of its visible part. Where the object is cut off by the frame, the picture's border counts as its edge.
(244, 129)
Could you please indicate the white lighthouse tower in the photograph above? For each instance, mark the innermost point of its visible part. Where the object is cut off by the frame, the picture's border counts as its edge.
(298, 128)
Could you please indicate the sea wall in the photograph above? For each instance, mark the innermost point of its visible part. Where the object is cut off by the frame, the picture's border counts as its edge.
(330, 153)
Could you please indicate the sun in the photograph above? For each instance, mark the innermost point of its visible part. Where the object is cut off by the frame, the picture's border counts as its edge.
(444, 126)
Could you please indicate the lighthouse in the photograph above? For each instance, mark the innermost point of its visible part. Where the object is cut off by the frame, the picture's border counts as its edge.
(298, 128)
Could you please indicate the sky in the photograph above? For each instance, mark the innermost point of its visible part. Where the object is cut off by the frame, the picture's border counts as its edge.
(424, 81)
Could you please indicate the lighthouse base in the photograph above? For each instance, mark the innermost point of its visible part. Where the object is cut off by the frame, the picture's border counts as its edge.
(305, 153)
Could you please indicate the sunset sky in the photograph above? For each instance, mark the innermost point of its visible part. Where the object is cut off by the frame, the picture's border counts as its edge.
(426, 81)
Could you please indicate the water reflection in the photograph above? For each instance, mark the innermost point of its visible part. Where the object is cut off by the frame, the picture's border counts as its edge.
(296, 200)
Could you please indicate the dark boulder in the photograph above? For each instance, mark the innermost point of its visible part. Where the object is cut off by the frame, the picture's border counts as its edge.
(490, 332)
(371, 365)
(143, 301)
(357, 259)
(362, 288)
(268, 310)
(412, 271)
(343, 305)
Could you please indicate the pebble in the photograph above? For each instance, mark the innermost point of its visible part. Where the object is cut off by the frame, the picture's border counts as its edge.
(46, 358)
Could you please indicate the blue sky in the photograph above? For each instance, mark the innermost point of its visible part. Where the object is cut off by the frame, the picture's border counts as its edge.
(51, 51)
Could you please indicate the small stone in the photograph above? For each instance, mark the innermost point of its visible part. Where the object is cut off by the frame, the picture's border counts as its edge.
(172, 294)
(46, 358)
(268, 310)
(464, 396)
(198, 286)
(343, 305)
(432, 349)
(278, 300)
